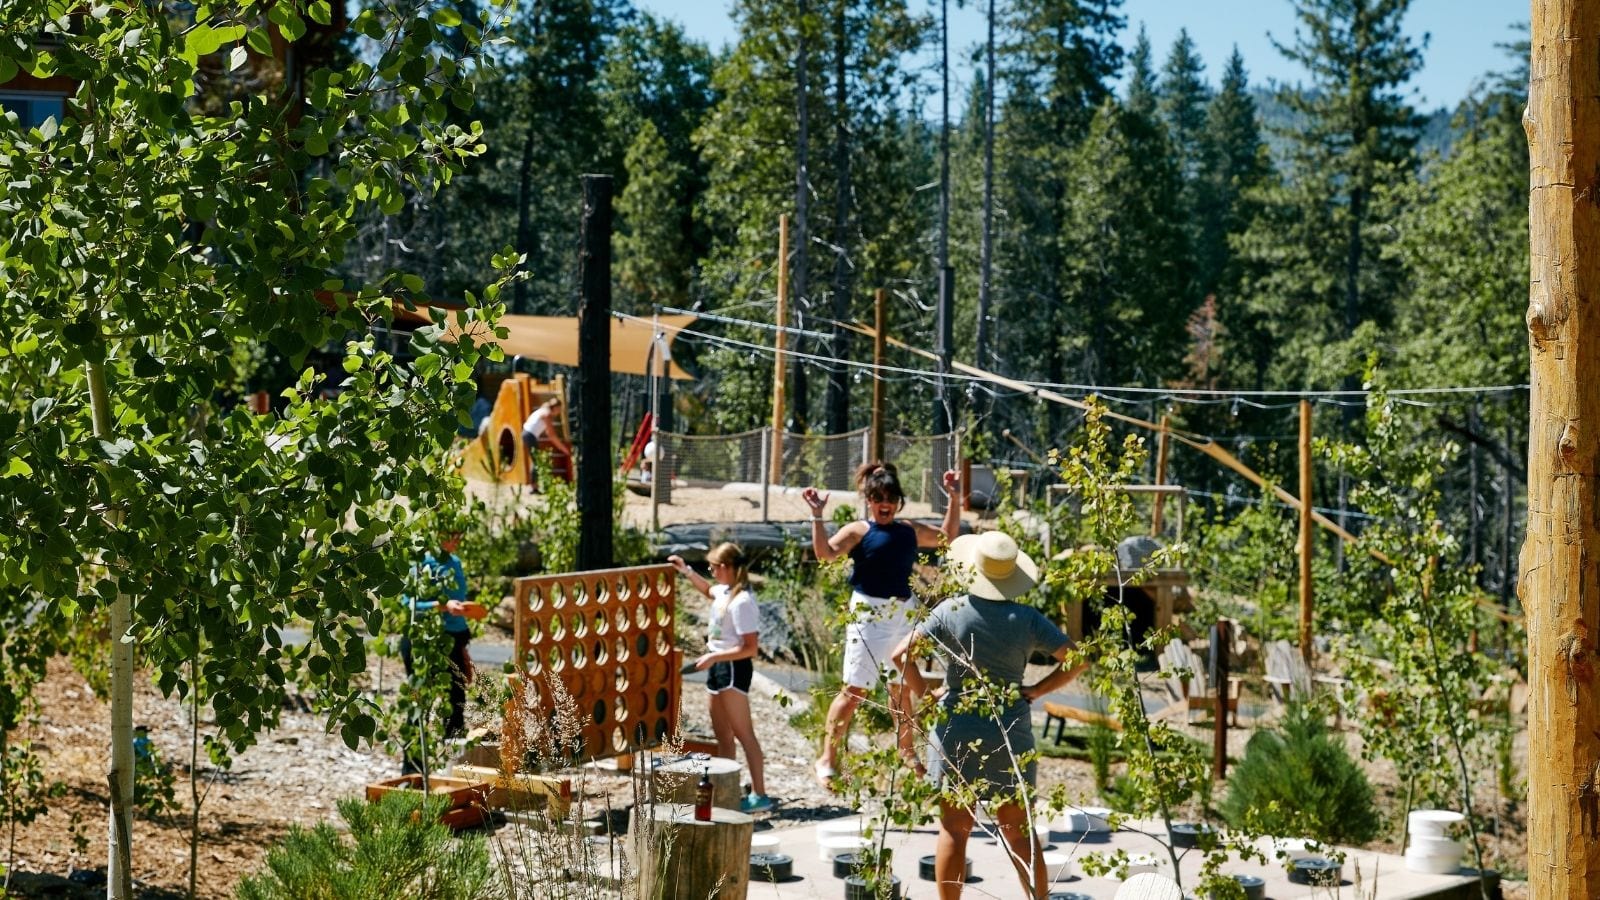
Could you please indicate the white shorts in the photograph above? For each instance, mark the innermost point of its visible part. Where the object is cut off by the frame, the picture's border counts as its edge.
(877, 627)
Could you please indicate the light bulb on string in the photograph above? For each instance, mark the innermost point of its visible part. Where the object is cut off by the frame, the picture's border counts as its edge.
(1236, 407)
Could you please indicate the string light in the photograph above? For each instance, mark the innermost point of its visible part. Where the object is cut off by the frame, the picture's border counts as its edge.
(1108, 394)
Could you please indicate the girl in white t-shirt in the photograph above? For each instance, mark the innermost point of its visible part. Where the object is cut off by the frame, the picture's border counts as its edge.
(731, 646)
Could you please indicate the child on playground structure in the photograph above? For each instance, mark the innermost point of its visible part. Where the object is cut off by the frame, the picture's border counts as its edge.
(883, 551)
(732, 642)
(540, 427)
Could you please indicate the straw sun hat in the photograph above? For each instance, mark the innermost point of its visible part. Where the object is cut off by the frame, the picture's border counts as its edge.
(992, 565)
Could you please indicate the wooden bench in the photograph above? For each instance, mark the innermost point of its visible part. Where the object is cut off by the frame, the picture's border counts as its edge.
(1059, 713)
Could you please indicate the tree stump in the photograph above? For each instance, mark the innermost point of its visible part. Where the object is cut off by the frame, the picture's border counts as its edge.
(682, 859)
(675, 782)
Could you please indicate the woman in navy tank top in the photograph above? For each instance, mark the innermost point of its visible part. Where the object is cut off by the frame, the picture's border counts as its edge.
(883, 553)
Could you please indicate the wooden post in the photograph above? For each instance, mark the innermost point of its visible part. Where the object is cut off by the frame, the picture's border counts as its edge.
(779, 341)
(1221, 643)
(594, 376)
(1306, 531)
(682, 859)
(1162, 442)
(1560, 584)
(879, 324)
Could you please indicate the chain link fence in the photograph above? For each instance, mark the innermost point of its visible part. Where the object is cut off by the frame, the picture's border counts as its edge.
(755, 462)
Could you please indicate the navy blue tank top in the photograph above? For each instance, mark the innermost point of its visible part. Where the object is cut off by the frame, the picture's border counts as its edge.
(884, 559)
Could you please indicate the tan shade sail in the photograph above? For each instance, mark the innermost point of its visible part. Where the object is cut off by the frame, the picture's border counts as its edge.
(554, 339)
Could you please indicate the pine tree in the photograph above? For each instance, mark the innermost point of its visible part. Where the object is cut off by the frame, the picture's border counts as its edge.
(655, 75)
(1462, 237)
(1235, 165)
(1058, 66)
(653, 252)
(1319, 273)
(1124, 254)
(1182, 97)
(1141, 78)
(1183, 100)
(750, 141)
(559, 118)
(544, 126)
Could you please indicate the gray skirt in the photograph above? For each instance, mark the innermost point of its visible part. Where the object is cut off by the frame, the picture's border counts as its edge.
(981, 753)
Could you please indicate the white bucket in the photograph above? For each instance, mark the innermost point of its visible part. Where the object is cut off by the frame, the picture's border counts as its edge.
(1143, 863)
(1432, 865)
(764, 843)
(1095, 818)
(1432, 822)
(851, 825)
(1291, 848)
(835, 844)
(1057, 866)
(1428, 845)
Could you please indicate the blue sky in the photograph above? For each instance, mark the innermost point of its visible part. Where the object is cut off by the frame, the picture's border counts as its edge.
(1461, 46)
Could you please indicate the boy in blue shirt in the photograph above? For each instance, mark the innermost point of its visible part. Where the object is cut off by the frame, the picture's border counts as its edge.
(444, 577)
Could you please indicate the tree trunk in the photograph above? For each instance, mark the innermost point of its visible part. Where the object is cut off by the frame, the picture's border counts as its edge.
(944, 419)
(519, 301)
(682, 859)
(1560, 584)
(838, 402)
(799, 408)
(119, 780)
(593, 448)
(986, 250)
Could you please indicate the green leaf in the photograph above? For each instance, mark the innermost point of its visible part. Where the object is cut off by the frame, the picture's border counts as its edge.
(316, 144)
(351, 737)
(16, 466)
(259, 40)
(237, 57)
(445, 17)
(202, 40)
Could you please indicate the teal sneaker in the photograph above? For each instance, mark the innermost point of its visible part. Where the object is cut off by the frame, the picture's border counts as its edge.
(755, 803)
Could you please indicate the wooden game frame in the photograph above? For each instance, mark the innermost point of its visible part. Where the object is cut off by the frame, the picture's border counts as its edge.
(609, 638)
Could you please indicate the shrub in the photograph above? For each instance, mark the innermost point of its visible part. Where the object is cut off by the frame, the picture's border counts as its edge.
(396, 848)
(1301, 782)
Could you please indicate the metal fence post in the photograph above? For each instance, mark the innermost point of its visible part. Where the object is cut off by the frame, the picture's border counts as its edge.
(766, 473)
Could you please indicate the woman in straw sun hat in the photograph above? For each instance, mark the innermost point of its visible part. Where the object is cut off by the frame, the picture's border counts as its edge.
(986, 637)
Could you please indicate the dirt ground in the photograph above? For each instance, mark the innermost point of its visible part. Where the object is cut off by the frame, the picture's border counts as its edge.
(298, 772)
(734, 503)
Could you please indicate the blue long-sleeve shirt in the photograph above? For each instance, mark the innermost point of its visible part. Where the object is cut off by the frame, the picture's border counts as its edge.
(451, 578)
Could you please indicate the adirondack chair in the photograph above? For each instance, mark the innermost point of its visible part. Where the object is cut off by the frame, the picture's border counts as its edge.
(1287, 674)
(1288, 679)
(1187, 685)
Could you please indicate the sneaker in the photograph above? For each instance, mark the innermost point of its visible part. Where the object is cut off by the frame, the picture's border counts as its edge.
(755, 803)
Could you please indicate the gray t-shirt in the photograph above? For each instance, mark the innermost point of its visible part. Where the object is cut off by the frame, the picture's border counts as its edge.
(993, 638)
(996, 637)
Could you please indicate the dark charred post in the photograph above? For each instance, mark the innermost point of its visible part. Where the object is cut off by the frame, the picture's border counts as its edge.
(593, 381)
(1221, 641)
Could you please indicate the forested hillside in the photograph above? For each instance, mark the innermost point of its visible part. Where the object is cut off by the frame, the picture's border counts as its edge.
(1144, 219)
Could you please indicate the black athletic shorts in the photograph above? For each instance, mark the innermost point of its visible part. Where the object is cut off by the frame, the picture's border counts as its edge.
(736, 675)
